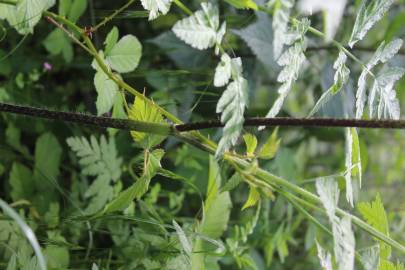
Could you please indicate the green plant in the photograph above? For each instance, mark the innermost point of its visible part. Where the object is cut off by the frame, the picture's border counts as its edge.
(118, 202)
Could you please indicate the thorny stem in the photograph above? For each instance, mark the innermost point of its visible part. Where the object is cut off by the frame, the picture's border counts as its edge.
(115, 13)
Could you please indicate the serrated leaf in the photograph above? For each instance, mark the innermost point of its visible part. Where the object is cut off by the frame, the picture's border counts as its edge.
(270, 147)
(370, 258)
(243, 4)
(259, 37)
(185, 243)
(281, 16)
(232, 106)
(142, 111)
(99, 159)
(223, 71)
(156, 7)
(292, 59)
(388, 106)
(371, 11)
(125, 54)
(343, 237)
(201, 30)
(375, 215)
(342, 72)
(253, 198)
(251, 144)
(107, 90)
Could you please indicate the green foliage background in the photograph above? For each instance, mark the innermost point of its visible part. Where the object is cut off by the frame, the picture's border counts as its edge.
(58, 175)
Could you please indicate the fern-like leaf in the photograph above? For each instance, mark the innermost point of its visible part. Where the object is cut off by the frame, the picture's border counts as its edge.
(98, 159)
(292, 60)
(371, 11)
(281, 16)
(201, 30)
(232, 106)
(383, 84)
(156, 7)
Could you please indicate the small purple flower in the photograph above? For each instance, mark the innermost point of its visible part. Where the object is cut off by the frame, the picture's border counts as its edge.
(47, 66)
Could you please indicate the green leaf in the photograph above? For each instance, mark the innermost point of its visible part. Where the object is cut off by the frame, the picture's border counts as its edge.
(107, 90)
(185, 243)
(99, 159)
(281, 16)
(48, 154)
(232, 183)
(270, 147)
(251, 144)
(58, 43)
(223, 71)
(243, 4)
(371, 11)
(26, 14)
(253, 199)
(140, 187)
(111, 40)
(22, 186)
(142, 111)
(375, 215)
(77, 9)
(125, 54)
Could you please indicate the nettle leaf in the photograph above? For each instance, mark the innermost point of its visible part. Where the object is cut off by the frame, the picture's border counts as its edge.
(243, 4)
(371, 11)
(124, 56)
(156, 7)
(375, 215)
(151, 166)
(383, 84)
(98, 159)
(353, 164)
(232, 106)
(107, 90)
(201, 30)
(26, 14)
(142, 111)
(281, 16)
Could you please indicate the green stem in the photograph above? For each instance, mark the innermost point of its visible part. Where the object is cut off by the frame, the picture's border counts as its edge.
(8, 2)
(179, 4)
(115, 13)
